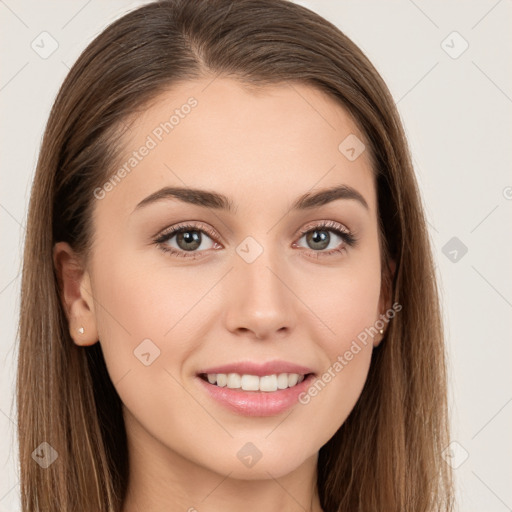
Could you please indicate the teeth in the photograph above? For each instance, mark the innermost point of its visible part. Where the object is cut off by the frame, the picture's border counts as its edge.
(222, 379)
(268, 383)
(234, 380)
(292, 379)
(255, 383)
(250, 383)
(282, 381)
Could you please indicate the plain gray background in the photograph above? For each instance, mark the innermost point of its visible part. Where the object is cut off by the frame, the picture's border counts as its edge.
(456, 107)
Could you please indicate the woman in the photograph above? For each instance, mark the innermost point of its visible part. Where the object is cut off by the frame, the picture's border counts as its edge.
(228, 293)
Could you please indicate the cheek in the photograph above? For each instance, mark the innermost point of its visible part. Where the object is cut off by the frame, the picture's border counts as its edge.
(145, 336)
(132, 311)
(345, 300)
(346, 304)
(148, 317)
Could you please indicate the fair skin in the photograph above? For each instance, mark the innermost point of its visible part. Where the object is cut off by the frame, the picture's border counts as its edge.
(263, 150)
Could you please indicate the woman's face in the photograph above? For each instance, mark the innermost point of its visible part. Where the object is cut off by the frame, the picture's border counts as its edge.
(252, 283)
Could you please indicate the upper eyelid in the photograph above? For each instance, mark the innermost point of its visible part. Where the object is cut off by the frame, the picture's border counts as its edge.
(328, 225)
(171, 230)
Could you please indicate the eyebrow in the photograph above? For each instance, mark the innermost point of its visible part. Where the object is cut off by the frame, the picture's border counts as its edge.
(218, 201)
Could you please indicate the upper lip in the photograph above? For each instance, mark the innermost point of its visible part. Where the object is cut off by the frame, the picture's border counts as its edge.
(259, 369)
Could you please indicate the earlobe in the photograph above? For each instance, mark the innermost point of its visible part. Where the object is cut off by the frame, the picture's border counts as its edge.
(75, 294)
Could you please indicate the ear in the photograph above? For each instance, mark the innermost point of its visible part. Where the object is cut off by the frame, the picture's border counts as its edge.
(385, 298)
(76, 294)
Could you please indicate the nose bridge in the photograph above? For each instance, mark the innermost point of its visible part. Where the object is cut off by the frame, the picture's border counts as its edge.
(260, 300)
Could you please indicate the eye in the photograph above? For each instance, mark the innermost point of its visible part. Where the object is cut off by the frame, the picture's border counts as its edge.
(320, 237)
(188, 239)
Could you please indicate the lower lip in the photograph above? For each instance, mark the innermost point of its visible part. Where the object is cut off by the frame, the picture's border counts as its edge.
(257, 403)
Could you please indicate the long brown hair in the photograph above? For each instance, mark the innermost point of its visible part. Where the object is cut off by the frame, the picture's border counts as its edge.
(387, 454)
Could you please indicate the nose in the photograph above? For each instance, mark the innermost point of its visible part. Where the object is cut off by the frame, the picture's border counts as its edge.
(261, 303)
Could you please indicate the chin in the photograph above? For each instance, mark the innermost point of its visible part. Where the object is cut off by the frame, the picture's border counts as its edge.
(253, 461)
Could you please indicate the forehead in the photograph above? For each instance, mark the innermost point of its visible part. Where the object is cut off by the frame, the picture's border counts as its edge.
(248, 142)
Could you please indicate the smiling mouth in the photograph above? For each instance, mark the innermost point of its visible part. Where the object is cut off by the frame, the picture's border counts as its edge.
(245, 382)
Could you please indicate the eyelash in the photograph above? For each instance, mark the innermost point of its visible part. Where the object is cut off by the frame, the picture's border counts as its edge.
(348, 238)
